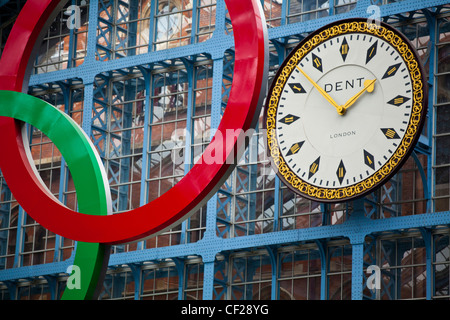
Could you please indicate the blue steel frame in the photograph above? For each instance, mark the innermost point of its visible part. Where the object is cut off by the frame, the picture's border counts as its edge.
(356, 228)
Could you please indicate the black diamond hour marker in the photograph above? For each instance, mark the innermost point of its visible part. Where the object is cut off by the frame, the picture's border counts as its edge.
(290, 118)
(295, 148)
(317, 62)
(369, 160)
(391, 71)
(341, 172)
(344, 49)
(390, 133)
(371, 52)
(398, 100)
(313, 168)
(297, 88)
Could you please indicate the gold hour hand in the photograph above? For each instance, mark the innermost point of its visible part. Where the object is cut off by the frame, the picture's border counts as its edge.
(369, 86)
(339, 108)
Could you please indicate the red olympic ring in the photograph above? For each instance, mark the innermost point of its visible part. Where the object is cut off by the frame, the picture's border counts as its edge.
(191, 192)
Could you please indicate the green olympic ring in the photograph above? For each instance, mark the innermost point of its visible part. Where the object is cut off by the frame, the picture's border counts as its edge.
(89, 176)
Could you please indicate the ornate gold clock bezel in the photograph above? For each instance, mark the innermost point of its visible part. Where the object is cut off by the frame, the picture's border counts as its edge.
(412, 134)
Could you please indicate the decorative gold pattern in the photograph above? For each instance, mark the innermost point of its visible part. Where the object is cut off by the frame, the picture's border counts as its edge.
(330, 194)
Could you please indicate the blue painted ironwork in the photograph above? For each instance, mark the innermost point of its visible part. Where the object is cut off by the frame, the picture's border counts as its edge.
(5, 209)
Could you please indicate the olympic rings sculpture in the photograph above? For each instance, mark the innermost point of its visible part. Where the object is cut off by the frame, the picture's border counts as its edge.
(94, 226)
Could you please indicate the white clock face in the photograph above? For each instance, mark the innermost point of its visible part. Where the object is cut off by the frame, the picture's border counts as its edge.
(344, 111)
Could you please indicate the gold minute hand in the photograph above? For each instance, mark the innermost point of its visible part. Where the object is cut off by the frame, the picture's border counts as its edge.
(339, 108)
(368, 86)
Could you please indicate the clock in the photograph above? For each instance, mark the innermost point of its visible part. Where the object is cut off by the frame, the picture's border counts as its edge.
(345, 110)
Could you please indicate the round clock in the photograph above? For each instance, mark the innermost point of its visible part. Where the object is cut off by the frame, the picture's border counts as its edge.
(345, 110)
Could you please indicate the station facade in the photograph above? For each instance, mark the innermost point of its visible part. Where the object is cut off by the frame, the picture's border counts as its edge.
(164, 70)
